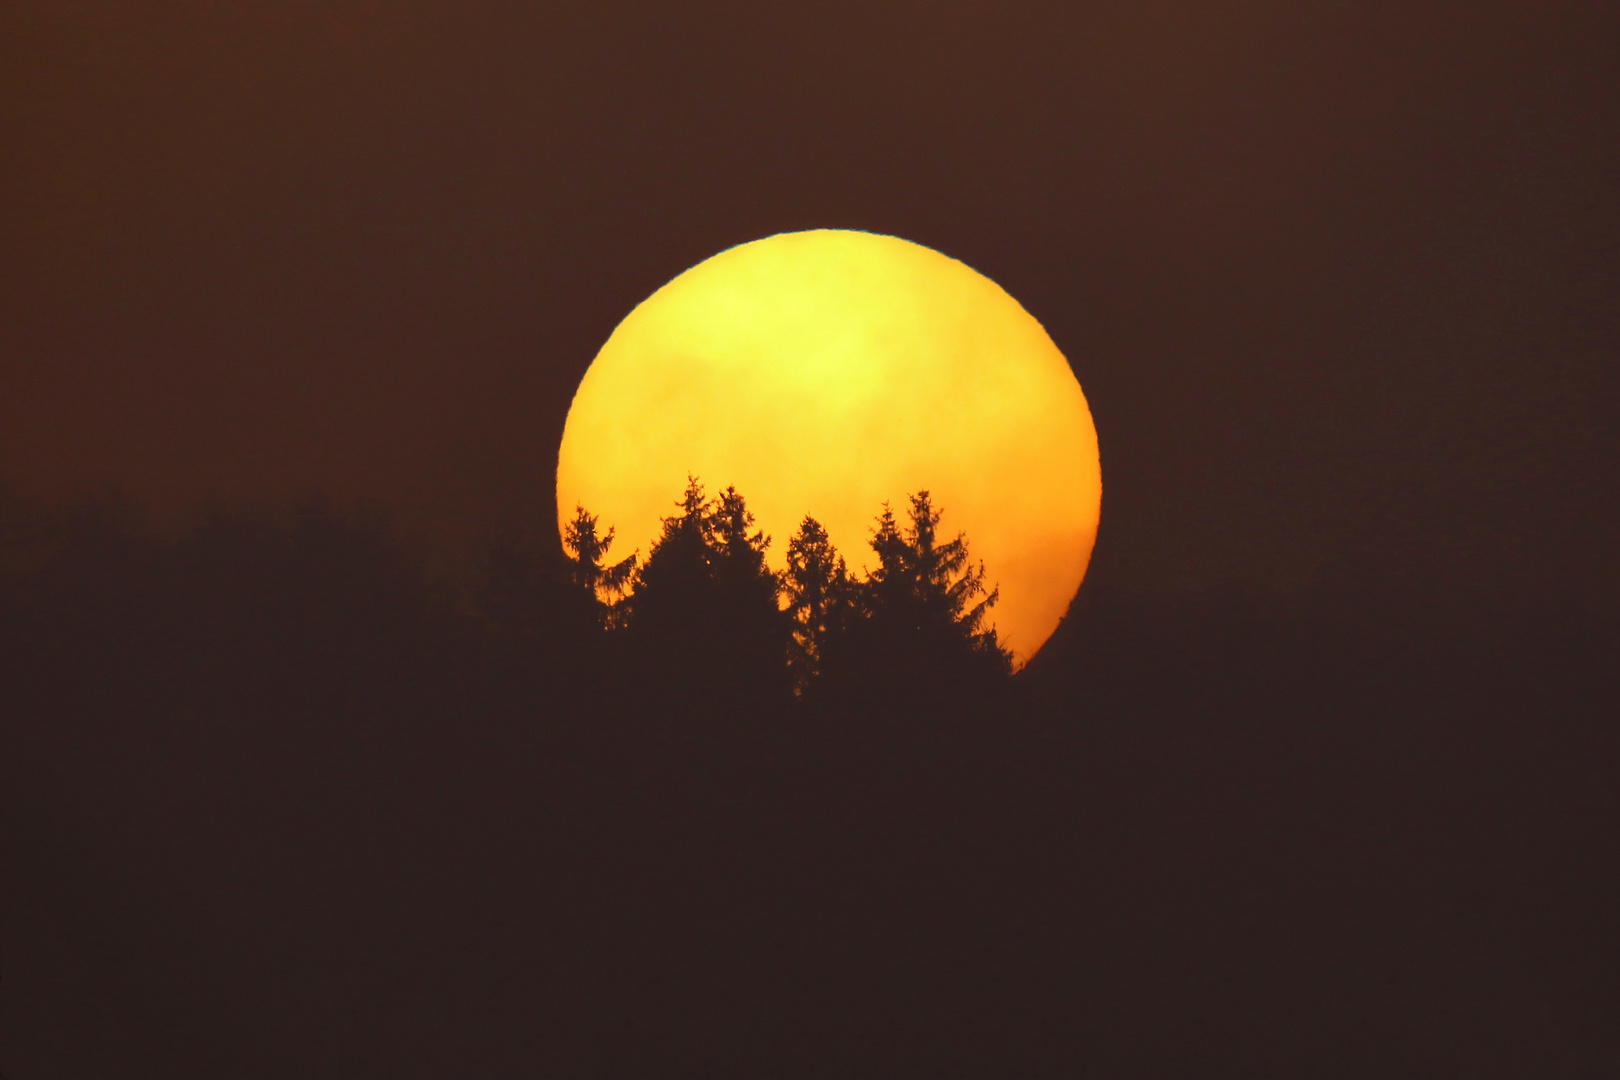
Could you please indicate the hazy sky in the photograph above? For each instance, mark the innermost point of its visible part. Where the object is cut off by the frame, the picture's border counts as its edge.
(1338, 279)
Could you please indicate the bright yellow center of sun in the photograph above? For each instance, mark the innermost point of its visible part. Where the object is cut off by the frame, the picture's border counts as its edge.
(827, 372)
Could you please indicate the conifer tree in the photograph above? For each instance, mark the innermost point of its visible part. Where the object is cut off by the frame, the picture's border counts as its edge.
(705, 604)
(585, 551)
(749, 591)
(925, 602)
(738, 557)
(820, 595)
(677, 568)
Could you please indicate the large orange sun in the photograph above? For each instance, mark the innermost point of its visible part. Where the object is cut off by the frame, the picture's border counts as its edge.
(827, 372)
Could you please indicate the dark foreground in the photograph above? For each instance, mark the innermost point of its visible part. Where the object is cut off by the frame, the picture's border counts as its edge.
(273, 807)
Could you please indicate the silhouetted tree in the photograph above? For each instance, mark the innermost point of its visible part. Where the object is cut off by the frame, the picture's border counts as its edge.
(585, 551)
(704, 607)
(820, 598)
(677, 568)
(748, 587)
(921, 613)
(546, 609)
(927, 582)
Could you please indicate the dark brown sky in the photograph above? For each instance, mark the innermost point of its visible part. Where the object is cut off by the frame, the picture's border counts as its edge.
(1339, 279)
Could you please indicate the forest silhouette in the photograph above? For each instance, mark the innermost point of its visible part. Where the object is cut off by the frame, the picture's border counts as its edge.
(704, 612)
(275, 800)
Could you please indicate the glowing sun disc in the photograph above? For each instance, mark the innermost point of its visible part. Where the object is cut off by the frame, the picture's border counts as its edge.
(827, 372)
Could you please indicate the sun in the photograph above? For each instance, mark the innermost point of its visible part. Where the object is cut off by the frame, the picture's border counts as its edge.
(826, 373)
